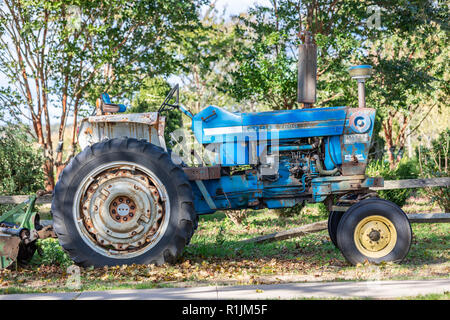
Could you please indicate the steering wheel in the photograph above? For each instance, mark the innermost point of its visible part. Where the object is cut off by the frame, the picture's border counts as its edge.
(169, 97)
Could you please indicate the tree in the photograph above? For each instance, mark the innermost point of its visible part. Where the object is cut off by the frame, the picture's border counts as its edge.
(207, 52)
(267, 55)
(405, 40)
(434, 162)
(20, 162)
(64, 53)
(409, 56)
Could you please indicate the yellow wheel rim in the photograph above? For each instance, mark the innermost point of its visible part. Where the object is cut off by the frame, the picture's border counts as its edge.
(375, 236)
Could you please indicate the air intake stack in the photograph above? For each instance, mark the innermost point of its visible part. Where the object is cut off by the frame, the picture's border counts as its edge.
(307, 72)
(361, 74)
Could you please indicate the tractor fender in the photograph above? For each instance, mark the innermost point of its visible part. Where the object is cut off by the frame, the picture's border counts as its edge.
(148, 126)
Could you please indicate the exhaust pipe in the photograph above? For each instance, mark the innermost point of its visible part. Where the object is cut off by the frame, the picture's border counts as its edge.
(307, 72)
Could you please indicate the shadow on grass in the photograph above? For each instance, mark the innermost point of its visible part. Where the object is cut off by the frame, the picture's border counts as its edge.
(282, 222)
(427, 248)
(311, 249)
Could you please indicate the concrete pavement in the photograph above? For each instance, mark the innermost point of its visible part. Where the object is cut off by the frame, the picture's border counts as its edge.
(345, 289)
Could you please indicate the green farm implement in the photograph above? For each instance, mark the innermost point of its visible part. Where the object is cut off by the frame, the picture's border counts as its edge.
(20, 228)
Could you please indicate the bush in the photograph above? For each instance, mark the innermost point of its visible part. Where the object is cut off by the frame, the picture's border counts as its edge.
(434, 163)
(406, 169)
(52, 253)
(237, 216)
(20, 163)
(290, 211)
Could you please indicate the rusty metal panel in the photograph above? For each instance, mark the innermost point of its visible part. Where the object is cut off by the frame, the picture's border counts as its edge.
(356, 140)
(353, 168)
(325, 186)
(202, 173)
(145, 126)
(144, 118)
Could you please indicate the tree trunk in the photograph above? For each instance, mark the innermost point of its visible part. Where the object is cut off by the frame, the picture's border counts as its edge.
(49, 177)
(387, 129)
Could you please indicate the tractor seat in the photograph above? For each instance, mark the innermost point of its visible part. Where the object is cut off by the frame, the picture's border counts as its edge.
(107, 101)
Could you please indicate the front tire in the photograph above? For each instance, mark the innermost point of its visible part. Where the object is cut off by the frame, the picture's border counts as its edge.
(374, 230)
(333, 222)
(123, 201)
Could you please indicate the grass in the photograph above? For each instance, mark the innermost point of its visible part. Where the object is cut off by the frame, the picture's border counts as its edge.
(216, 256)
(433, 296)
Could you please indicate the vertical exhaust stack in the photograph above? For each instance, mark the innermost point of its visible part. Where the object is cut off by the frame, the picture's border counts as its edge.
(307, 72)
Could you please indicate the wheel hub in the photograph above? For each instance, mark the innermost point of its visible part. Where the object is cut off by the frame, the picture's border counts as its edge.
(122, 211)
(375, 236)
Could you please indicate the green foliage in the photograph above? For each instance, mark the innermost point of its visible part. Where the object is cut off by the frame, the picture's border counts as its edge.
(434, 162)
(52, 253)
(150, 97)
(290, 212)
(66, 53)
(207, 50)
(20, 162)
(406, 169)
(376, 151)
(266, 48)
(220, 236)
(307, 211)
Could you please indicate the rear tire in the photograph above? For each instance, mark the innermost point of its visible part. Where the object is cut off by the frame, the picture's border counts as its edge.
(123, 201)
(374, 230)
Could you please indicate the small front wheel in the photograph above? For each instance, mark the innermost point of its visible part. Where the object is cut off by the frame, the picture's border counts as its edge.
(374, 230)
(333, 222)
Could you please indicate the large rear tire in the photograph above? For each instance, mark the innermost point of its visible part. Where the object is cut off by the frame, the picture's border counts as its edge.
(374, 230)
(123, 201)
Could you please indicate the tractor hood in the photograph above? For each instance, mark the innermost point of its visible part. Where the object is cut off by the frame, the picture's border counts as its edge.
(215, 124)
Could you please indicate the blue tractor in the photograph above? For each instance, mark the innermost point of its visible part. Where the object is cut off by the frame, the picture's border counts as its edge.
(126, 198)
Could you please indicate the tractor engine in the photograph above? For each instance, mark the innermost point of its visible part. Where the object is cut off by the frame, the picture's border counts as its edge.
(285, 150)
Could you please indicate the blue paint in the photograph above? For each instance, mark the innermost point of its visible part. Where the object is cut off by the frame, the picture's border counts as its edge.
(107, 100)
(291, 148)
(233, 132)
(236, 135)
(333, 154)
(122, 108)
(363, 66)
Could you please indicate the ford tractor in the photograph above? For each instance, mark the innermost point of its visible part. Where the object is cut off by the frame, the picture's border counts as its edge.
(127, 198)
